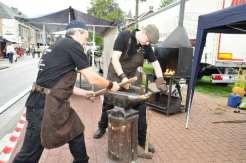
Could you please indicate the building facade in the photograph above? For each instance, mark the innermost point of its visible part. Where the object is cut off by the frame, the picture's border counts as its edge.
(14, 29)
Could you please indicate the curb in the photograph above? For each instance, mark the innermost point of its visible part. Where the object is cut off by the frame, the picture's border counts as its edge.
(3, 67)
(13, 138)
(5, 107)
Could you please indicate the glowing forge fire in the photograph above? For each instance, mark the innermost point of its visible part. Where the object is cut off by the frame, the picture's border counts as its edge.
(169, 72)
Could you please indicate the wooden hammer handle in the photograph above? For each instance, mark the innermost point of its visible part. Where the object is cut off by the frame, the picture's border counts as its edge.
(103, 91)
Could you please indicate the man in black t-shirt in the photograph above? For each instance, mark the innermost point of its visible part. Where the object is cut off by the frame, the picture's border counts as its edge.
(51, 120)
(129, 51)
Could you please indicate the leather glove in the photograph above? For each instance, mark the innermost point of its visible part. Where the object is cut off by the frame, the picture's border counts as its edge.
(126, 86)
(115, 87)
(161, 84)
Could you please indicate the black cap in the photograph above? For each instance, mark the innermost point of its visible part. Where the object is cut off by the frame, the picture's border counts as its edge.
(76, 24)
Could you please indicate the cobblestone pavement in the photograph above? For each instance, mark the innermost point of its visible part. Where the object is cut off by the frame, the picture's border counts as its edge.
(203, 142)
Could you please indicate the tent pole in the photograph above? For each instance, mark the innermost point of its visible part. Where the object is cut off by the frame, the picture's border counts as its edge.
(93, 38)
(188, 114)
(93, 50)
(44, 38)
(69, 17)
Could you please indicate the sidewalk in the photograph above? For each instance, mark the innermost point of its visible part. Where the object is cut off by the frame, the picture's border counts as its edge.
(4, 63)
(203, 142)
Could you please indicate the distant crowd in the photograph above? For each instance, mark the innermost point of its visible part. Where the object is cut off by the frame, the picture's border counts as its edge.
(14, 51)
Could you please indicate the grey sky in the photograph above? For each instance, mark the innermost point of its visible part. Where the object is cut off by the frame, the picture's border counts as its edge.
(36, 8)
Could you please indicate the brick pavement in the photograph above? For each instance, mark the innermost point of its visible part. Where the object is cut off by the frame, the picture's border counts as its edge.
(203, 142)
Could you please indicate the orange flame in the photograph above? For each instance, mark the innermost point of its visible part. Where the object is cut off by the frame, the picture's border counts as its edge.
(169, 72)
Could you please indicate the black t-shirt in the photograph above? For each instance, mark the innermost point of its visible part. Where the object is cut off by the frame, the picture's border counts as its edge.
(123, 44)
(66, 56)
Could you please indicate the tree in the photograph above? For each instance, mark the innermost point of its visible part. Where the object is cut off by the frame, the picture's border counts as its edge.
(166, 2)
(106, 9)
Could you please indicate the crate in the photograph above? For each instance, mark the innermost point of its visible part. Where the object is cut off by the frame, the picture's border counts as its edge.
(233, 100)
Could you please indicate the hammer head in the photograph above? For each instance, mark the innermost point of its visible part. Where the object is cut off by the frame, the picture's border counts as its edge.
(143, 154)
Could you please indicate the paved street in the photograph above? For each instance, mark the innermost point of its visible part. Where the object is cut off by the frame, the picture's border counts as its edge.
(17, 77)
(203, 142)
(14, 80)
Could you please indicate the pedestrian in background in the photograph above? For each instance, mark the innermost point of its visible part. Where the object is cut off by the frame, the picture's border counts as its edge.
(27, 51)
(38, 51)
(32, 50)
(10, 52)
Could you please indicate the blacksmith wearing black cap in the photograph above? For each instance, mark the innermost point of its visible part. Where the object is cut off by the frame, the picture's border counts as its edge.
(51, 120)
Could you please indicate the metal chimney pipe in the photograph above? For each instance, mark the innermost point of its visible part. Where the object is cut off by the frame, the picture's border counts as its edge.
(181, 13)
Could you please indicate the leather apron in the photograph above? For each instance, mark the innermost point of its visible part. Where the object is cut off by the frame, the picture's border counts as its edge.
(129, 64)
(60, 122)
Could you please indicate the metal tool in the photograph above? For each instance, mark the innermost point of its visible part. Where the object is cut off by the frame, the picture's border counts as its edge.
(103, 91)
(146, 154)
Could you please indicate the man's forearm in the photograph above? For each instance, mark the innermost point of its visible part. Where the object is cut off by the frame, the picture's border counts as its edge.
(157, 68)
(94, 79)
(116, 62)
(79, 92)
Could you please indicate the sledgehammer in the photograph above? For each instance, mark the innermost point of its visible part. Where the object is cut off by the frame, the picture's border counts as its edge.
(146, 154)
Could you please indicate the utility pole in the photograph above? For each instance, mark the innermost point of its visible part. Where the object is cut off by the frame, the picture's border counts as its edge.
(136, 14)
(44, 35)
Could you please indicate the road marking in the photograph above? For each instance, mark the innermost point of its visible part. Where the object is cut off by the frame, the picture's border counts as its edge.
(11, 102)
(12, 139)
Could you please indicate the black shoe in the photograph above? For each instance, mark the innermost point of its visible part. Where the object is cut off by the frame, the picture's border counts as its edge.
(151, 147)
(99, 133)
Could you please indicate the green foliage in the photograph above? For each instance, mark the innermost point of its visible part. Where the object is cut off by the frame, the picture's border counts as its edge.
(98, 38)
(106, 9)
(204, 85)
(166, 2)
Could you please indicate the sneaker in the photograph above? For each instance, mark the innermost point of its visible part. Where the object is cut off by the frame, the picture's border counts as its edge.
(99, 133)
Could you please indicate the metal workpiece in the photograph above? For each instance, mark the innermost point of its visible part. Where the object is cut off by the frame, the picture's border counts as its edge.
(126, 99)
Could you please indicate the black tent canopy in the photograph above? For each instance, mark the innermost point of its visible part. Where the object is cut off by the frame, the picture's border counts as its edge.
(231, 20)
(57, 21)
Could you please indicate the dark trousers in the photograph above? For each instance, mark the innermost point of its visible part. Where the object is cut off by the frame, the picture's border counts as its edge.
(11, 57)
(38, 54)
(142, 125)
(32, 149)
